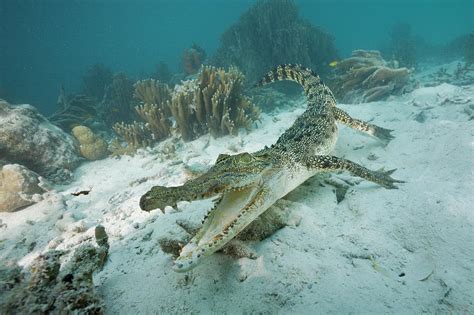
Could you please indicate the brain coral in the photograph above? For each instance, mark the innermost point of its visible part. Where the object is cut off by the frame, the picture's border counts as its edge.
(91, 146)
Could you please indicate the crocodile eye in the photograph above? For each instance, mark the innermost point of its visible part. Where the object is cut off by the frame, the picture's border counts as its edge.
(246, 158)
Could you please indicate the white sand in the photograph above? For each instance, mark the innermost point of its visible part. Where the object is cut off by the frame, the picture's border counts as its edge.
(342, 258)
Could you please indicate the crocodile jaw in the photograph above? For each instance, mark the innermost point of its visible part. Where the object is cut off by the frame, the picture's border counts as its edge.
(232, 214)
(235, 211)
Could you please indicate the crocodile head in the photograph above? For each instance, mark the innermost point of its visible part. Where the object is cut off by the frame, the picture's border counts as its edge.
(246, 190)
(230, 173)
(241, 183)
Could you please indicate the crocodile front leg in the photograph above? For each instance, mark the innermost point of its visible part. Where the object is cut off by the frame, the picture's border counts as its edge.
(333, 163)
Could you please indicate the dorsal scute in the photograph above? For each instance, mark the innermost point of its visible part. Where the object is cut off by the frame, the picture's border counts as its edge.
(318, 94)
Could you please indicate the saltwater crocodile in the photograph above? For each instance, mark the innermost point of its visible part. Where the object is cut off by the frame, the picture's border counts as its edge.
(247, 184)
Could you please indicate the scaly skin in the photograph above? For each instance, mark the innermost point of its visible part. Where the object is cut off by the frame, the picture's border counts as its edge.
(249, 183)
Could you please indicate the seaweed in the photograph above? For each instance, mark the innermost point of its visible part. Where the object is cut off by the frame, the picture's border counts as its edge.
(74, 110)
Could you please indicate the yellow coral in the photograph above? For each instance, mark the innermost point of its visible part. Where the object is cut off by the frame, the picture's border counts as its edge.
(366, 77)
(214, 104)
(91, 146)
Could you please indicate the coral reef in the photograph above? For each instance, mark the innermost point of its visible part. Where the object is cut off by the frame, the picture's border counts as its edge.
(270, 33)
(19, 187)
(136, 135)
(95, 81)
(213, 103)
(27, 138)
(192, 59)
(156, 121)
(55, 287)
(153, 92)
(366, 77)
(462, 74)
(73, 111)
(91, 146)
(402, 45)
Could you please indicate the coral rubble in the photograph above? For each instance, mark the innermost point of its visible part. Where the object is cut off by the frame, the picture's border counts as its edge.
(91, 146)
(366, 77)
(28, 138)
(271, 32)
(56, 287)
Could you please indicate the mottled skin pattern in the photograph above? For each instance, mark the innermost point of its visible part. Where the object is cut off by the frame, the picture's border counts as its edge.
(247, 184)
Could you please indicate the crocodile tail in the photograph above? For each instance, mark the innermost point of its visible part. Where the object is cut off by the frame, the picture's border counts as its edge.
(311, 82)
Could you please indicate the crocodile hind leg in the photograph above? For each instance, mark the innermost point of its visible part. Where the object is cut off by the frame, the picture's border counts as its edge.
(333, 163)
(383, 134)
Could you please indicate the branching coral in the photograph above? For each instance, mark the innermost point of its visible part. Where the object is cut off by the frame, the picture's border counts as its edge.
(214, 104)
(271, 33)
(182, 110)
(153, 92)
(366, 77)
(155, 109)
(136, 135)
(157, 122)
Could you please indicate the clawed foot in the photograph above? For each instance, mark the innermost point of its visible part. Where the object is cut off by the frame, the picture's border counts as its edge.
(384, 179)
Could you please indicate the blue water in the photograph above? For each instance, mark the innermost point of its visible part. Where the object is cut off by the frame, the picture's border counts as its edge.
(48, 43)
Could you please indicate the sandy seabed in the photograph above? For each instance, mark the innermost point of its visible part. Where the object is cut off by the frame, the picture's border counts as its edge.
(408, 250)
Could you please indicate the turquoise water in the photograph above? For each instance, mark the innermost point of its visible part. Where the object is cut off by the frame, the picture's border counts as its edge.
(48, 43)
